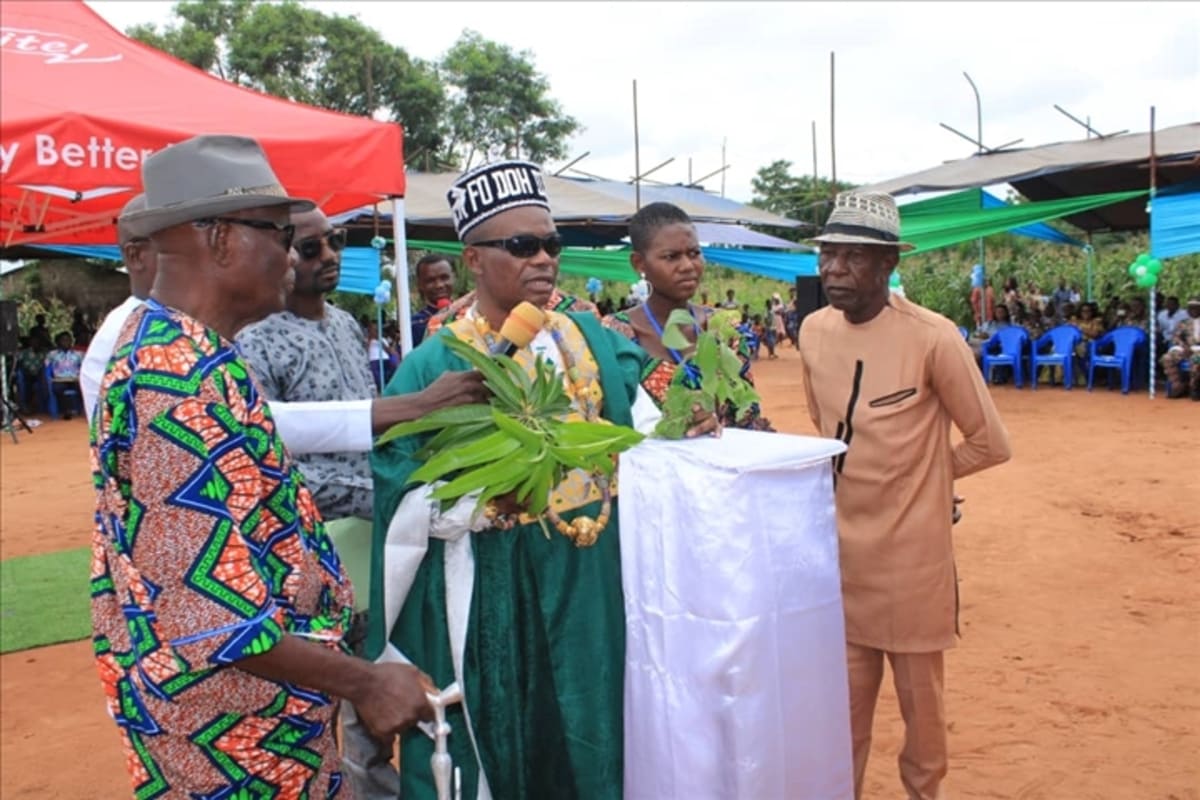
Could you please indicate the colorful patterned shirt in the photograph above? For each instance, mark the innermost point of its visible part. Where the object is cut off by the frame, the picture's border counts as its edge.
(207, 549)
(64, 364)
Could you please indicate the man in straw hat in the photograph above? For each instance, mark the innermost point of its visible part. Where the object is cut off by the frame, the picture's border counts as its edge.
(888, 377)
(219, 605)
(531, 628)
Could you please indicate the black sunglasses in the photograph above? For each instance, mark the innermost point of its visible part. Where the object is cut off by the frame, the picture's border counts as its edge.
(310, 248)
(288, 231)
(526, 245)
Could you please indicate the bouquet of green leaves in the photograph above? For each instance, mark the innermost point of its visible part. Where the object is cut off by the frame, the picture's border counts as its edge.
(518, 442)
(710, 377)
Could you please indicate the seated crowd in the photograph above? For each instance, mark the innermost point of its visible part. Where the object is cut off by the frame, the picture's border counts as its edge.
(1176, 329)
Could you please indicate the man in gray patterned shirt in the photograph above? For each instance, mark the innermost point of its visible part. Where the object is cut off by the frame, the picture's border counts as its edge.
(316, 351)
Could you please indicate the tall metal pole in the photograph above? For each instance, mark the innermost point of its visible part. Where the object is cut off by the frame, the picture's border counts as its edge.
(1150, 247)
(1088, 251)
(637, 155)
(723, 165)
(985, 312)
(832, 136)
(816, 210)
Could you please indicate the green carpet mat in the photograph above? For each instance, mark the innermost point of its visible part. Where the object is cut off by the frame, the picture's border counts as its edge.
(45, 599)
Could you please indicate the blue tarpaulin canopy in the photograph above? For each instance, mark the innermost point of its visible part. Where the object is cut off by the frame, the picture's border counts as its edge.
(1175, 221)
(360, 265)
(777, 265)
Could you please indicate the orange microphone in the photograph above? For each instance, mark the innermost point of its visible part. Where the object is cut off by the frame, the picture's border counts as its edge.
(518, 330)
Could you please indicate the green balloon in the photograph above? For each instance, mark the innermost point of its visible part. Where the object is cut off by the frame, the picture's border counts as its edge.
(1133, 265)
(1146, 281)
(1155, 266)
(1143, 258)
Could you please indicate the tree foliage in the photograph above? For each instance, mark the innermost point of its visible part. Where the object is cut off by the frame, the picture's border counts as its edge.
(798, 197)
(481, 100)
(500, 105)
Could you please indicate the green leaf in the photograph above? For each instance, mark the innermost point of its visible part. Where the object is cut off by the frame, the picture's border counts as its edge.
(496, 377)
(731, 365)
(707, 358)
(569, 433)
(488, 475)
(677, 411)
(530, 440)
(490, 448)
(441, 418)
(539, 495)
(520, 377)
(673, 335)
(454, 435)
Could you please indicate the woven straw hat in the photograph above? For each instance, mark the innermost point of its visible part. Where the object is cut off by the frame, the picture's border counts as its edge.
(864, 218)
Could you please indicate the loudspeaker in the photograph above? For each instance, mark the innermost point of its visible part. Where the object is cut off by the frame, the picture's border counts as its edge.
(809, 296)
(8, 327)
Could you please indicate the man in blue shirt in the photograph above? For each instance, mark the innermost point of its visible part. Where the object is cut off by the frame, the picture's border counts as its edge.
(435, 284)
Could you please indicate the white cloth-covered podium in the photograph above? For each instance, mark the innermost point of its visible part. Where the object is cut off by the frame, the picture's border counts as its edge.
(735, 665)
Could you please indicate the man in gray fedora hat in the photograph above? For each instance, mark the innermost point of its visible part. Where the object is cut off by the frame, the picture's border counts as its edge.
(219, 605)
(888, 378)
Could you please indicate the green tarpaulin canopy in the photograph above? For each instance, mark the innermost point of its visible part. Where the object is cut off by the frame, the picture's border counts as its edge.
(613, 265)
(607, 265)
(959, 221)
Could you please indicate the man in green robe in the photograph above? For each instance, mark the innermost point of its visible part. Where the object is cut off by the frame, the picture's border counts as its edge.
(532, 628)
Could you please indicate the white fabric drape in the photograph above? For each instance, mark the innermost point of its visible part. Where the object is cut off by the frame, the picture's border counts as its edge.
(735, 665)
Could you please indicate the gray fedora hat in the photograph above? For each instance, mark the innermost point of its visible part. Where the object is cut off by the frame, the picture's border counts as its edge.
(863, 218)
(206, 176)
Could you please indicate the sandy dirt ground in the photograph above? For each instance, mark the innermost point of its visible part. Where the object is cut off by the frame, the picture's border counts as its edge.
(1075, 677)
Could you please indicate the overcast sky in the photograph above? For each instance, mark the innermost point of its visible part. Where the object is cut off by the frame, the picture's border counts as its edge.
(757, 75)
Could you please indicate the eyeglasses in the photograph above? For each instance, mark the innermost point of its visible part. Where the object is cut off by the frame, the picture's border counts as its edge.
(526, 245)
(311, 247)
(288, 231)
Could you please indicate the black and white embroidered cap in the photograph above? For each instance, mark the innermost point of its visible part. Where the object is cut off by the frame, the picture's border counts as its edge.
(863, 218)
(489, 189)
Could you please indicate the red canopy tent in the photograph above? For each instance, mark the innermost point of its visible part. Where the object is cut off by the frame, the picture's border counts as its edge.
(82, 105)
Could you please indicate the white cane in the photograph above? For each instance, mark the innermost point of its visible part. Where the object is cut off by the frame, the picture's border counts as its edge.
(443, 766)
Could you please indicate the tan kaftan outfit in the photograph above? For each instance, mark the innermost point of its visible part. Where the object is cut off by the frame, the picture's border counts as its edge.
(890, 388)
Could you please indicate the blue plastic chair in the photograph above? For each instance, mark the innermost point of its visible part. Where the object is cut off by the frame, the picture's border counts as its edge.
(1062, 341)
(1012, 341)
(1124, 340)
